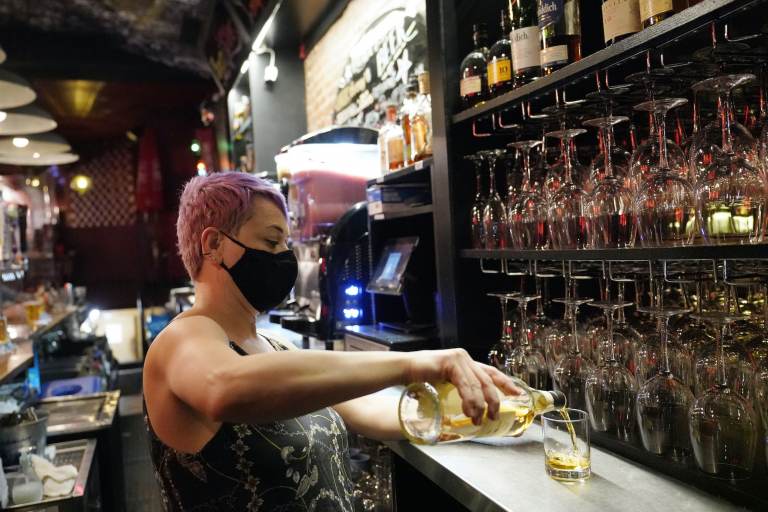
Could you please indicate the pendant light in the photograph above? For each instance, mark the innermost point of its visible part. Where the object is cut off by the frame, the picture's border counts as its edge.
(26, 120)
(14, 90)
(42, 143)
(44, 160)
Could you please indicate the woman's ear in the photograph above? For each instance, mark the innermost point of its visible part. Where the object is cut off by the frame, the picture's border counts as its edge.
(210, 240)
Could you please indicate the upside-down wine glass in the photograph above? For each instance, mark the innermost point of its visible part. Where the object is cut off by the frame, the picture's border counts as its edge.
(499, 353)
(495, 222)
(526, 362)
(528, 216)
(567, 213)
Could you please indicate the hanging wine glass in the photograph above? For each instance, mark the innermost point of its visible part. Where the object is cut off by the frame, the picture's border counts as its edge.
(665, 205)
(514, 185)
(610, 389)
(663, 401)
(495, 223)
(610, 208)
(567, 214)
(723, 426)
(500, 351)
(626, 339)
(542, 324)
(761, 388)
(477, 232)
(528, 217)
(526, 362)
(573, 370)
(730, 188)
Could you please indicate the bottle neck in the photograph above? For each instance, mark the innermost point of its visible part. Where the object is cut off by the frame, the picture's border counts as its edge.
(481, 40)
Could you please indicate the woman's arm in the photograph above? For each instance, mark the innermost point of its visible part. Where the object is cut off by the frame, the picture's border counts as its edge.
(373, 416)
(199, 368)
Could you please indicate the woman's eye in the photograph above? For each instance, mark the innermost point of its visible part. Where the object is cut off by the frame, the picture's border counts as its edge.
(273, 243)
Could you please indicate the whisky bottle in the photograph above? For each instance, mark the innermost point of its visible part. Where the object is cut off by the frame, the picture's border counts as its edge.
(431, 414)
(621, 19)
(391, 142)
(654, 11)
(406, 116)
(525, 37)
(500, 61)
(473, 85)
(560, 26)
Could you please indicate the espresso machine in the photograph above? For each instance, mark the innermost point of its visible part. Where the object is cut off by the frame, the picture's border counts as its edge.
(326, 173)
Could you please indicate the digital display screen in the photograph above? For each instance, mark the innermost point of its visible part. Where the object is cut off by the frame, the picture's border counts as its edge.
(389, 272)
(390, 266)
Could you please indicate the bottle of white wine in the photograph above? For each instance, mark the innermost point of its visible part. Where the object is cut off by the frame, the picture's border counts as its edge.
(431, 414)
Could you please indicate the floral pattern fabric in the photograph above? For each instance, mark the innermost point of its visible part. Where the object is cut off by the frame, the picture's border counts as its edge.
(294, 465)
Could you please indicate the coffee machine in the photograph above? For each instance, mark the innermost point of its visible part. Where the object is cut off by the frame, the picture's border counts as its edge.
(327, 173)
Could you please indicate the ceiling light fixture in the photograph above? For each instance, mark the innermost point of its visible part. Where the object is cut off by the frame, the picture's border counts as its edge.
(80, 183)
(26, 121)
(20, 142)
(14, 90)
(262, 35)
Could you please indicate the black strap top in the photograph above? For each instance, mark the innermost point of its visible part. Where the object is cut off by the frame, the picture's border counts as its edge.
(300, 464)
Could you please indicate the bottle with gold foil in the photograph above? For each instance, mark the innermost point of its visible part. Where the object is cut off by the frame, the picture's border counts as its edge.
(655, 11)
(621, 19)
(525, 36)
(421, 121)
(500, 78)
(431, 414)
(473, 72)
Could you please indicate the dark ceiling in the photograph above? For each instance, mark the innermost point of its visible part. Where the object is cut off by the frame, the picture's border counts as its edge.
(102, 67)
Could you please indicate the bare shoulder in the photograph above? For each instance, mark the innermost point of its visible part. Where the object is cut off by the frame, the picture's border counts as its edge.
(179, 332)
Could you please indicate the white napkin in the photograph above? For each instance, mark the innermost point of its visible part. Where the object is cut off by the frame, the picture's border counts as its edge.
(57, 480)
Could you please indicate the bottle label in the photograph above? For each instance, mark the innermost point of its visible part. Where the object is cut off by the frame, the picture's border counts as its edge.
(395, 152)
(620, 17)
(499, 71)
(470, 85)
(525, 48)
(550, 12)
(651, 8)
(554, 55)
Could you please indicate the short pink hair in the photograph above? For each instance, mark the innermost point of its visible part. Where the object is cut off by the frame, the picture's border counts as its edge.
(222, 200)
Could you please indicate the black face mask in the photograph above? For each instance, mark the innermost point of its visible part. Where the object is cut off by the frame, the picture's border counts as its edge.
(264, 278)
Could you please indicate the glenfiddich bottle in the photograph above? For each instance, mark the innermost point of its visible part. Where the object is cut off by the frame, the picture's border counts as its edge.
(525, 37)
(500, 61)
(560, 25)
(621, 19)
(473, 85)
(654, 11)
(432, 414)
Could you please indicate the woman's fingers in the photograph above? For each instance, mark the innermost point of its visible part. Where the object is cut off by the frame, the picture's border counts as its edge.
(500, 380)
(490, 393)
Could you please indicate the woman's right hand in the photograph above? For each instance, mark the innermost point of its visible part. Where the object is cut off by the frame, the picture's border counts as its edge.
(475, 382)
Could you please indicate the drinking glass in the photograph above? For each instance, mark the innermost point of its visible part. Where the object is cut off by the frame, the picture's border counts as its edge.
(567, 455)
(761, 393)
(665, 204)
(724, 161)
(501, 351)
(567, 213)
(610, 207)
(477, 232)
(610, 390)
(527, 362)
(723, 426)
(528, 216)
(495, 222)
(572, 371)
(663, 401)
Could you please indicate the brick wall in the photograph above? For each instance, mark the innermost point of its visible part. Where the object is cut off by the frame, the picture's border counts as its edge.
(325, 62)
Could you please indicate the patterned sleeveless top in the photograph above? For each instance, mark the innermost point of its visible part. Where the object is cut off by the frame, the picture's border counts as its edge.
(300, 464)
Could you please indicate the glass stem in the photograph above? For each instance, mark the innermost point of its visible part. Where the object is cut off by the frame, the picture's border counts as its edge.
(609, 326)
(566, 148)
(721, 375)
(506, 325)
(573, 330)
(608, 148)
(491, 177)
(539, 301)
(726, 119)
(695, 112)
(523, 324)
(621, 319)
(661, 127)
(527, 169)
(664, 327)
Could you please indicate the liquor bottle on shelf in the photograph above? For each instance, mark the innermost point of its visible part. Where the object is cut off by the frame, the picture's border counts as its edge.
(525, 37)
(654, 11)
(560, 25)
(406, 116)
(621, 19)
(473, 85)
(421, 121)
(391, 142)
(500, 61)
(432, 414)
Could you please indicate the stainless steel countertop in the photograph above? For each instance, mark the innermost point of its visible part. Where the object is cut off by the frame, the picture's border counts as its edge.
(507, 474)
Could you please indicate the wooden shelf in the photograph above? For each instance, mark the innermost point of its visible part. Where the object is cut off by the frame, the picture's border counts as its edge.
(19, 361)
(692, 252)
(669, 30)
(417, 172)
